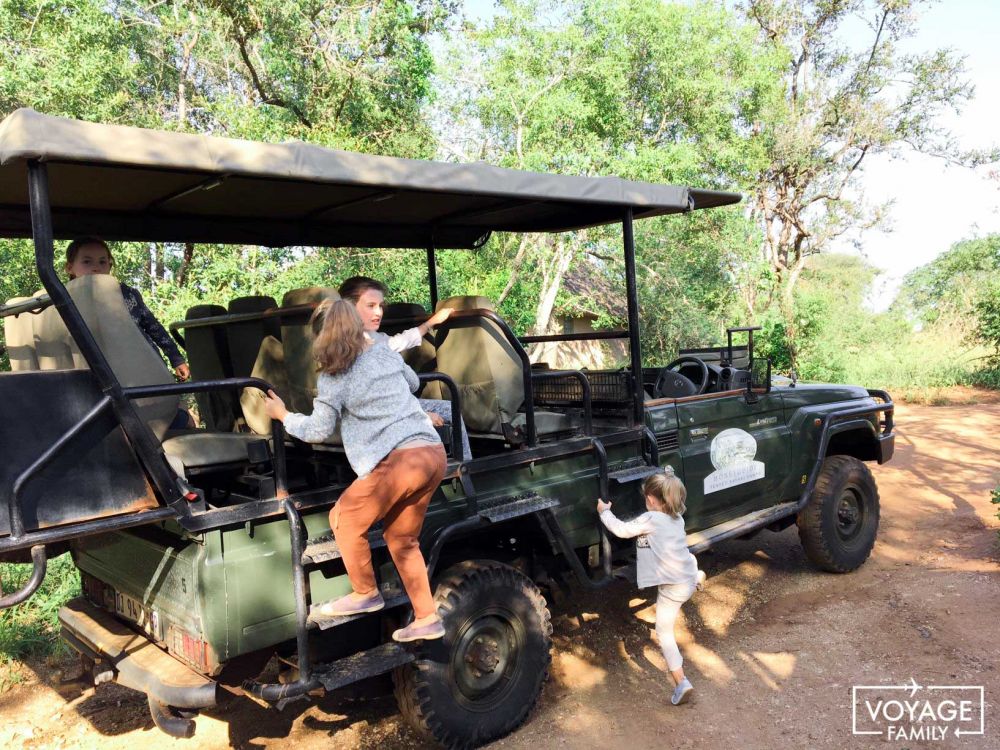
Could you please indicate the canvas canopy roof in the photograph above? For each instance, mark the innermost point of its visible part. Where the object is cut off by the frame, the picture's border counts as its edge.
(125, 183)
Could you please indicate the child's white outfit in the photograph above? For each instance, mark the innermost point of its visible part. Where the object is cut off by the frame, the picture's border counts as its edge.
(663, 560)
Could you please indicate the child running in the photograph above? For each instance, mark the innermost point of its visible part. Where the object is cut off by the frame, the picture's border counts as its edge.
(663, 560)
(392, 447)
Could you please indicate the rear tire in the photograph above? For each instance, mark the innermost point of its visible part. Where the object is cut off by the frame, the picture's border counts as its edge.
(482, 679)
(838, 526)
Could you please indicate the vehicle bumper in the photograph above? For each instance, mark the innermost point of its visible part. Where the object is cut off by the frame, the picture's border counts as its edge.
(886, 447)
(138, 663)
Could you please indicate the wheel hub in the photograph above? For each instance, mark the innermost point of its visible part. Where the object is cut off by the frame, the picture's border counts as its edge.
(484, 658)
(483, 655)
(849, 515)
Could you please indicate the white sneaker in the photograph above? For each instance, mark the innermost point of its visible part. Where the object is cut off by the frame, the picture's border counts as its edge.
(682, 692)
(700, 580)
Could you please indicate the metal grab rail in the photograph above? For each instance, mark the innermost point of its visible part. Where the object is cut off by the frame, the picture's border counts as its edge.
(456, 409)
(39, 562)
(217, 320)
(588, 421)
(18, 538)
(34, 305)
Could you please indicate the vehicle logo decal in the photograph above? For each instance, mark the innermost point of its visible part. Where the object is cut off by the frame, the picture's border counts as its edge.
(763, 421)
(732, 453)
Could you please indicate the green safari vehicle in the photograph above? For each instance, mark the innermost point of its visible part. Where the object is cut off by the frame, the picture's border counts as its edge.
(203, 550)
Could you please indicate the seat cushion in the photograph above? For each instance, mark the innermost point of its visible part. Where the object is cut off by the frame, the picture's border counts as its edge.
(546, 422)
(198, 450)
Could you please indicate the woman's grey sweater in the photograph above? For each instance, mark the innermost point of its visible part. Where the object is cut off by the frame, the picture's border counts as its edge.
(374, 402)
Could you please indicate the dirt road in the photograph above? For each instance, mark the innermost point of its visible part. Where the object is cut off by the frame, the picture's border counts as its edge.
(772, 646)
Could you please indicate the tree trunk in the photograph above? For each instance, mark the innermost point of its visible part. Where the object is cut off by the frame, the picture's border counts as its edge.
(552, 276)
(185, 263)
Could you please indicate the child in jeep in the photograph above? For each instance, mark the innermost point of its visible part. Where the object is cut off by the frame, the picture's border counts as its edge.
(92, 255)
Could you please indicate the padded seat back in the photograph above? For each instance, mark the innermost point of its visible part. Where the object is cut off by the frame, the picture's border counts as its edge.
(420, 358)
(132, 359)
(208, 356)
(288, 365)
(19, 336)
(297, 339)
(244, 337)
(484, 365)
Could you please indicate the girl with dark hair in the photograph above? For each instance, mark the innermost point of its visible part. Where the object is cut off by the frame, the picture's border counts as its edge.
(392, 447)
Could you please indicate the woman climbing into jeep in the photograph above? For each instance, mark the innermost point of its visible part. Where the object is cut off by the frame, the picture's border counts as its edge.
(392, 447)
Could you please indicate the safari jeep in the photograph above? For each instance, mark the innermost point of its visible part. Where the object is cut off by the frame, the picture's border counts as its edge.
(202, 549)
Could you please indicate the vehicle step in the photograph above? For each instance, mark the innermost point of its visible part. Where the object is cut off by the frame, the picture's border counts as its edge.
(700, 541)
(624, 572)
(316, 620)
(324, 548)
(374, 661)
(503, 508)
(633, 473)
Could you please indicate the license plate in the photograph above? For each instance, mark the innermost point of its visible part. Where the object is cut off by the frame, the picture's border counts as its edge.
(132, 609)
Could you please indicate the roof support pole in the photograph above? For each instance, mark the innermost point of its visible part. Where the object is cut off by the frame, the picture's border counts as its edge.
(631, 290)
(432, 275)
(145, 443)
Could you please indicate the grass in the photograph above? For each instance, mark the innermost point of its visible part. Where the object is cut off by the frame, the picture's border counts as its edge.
(31, 630)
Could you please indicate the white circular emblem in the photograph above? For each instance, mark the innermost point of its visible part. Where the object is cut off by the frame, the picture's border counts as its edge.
(733, 447)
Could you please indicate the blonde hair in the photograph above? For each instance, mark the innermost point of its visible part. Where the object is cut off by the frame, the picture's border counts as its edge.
(667, 490)
(340, 335)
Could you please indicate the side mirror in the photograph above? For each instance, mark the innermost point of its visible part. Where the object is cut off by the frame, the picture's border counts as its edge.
(760, 379)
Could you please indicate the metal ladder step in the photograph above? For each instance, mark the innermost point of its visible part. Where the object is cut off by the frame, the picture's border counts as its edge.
(324, 548)
(700, 541)
(503, 508)
(633, 473)
(374, 661)
(317, 620)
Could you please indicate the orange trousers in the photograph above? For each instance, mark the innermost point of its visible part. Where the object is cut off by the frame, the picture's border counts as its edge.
(397, 491)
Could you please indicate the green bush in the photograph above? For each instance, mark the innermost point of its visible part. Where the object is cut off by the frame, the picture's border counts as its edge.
(31, 629)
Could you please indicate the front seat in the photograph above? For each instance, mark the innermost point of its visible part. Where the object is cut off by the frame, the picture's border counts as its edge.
(476, 354)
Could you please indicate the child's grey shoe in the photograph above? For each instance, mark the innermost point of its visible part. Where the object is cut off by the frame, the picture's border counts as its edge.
(349, 605)
(414, 632)
(682, 692)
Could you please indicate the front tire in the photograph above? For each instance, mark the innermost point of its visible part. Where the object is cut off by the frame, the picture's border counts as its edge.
(481, 680)
(838, 526)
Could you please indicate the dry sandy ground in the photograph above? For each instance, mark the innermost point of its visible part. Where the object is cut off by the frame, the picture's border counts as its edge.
(772, 646)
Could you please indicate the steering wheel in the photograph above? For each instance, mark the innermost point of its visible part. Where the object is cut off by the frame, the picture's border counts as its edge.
(671, 384)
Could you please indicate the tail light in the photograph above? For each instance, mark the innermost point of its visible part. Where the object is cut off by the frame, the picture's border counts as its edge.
(191, 649)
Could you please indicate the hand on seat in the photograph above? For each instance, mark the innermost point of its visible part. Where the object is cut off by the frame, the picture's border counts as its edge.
(436, 419)
(274, 407)
(440, 316)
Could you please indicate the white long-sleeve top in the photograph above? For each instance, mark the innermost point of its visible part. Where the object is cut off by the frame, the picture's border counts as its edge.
(662, 555)
(408, 339)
